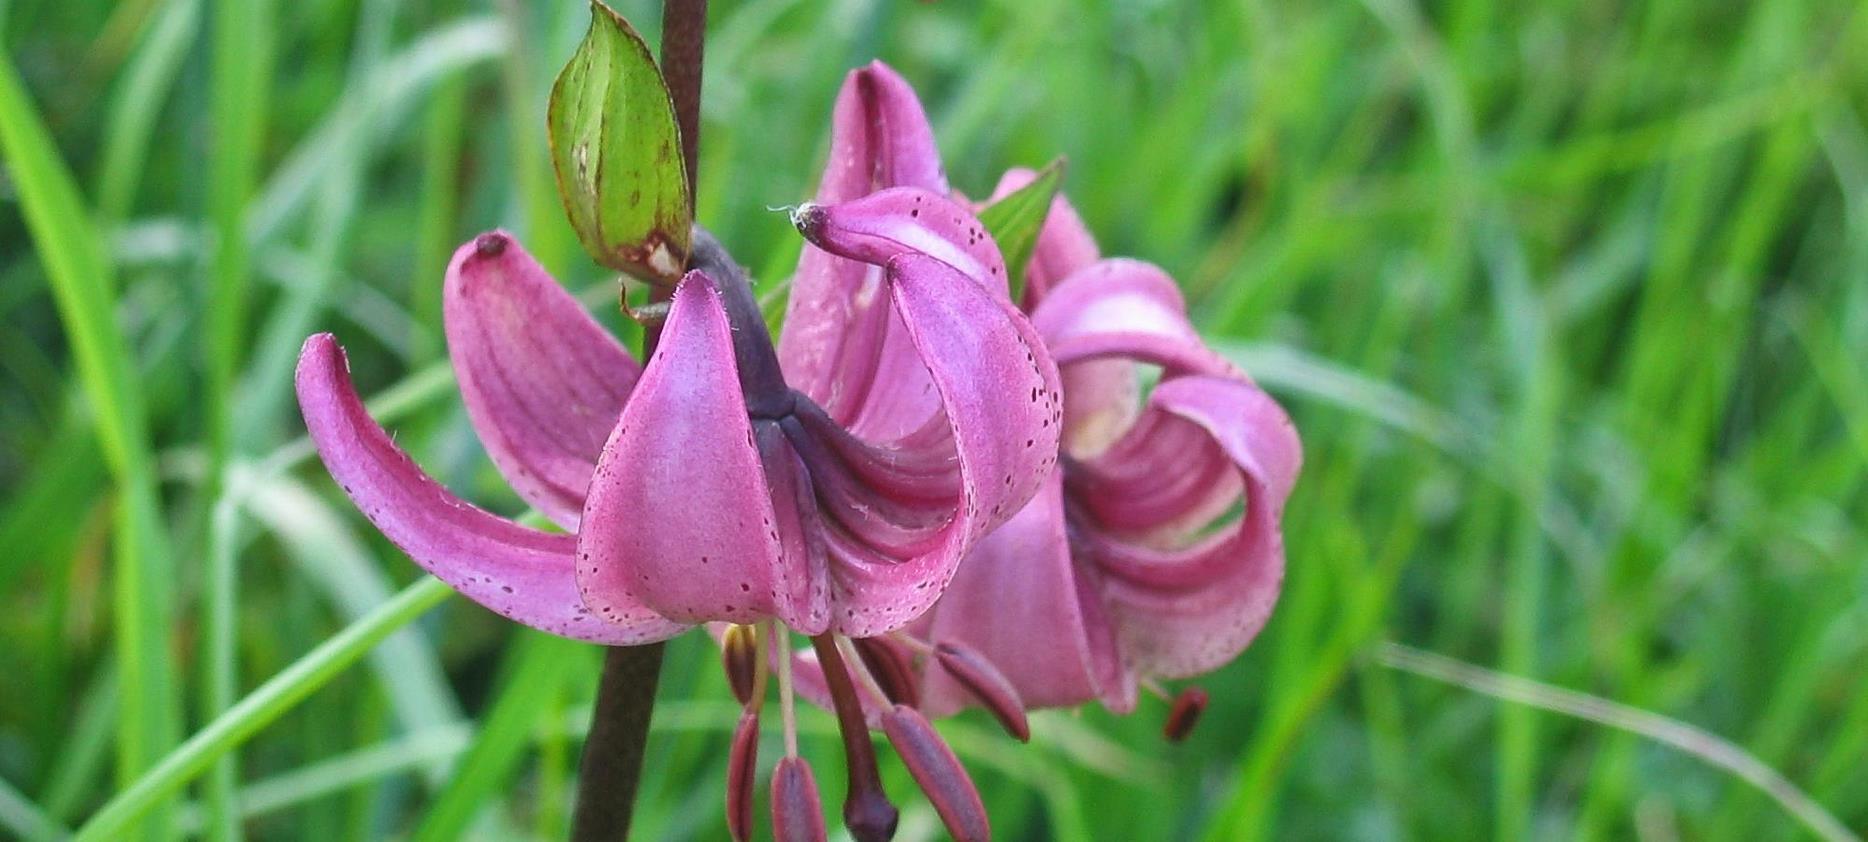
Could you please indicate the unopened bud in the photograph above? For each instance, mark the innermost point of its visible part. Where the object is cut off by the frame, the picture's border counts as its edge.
(988, 685)
(1188, 705)
(938, 772)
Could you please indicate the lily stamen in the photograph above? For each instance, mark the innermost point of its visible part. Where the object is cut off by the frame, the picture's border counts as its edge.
(867, 811)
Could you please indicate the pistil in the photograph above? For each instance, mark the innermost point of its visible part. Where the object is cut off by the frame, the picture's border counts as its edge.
(866, 808)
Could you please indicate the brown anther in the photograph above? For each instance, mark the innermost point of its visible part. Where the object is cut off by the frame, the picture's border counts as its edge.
(866, 808)
(797, 814)
(988, 685)
(742, 768)
(938, 771)
(893, 668)
(739, 653)
(1188, 705)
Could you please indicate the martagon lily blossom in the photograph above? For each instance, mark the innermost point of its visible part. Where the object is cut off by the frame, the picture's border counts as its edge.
(1154, 550)
(703, 488)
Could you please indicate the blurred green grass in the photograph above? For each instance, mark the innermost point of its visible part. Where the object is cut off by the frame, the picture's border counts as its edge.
(1570, 299)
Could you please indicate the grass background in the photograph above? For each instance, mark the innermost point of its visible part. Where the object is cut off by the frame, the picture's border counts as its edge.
(1569, 298)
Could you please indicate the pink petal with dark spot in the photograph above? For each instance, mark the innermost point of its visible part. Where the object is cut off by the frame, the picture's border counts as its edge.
(521, 573)
(543, 382)
(688, 513)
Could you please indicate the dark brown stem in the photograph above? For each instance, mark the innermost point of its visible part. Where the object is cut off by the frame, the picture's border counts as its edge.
(610, 769)
(611, 766)
(684, 30)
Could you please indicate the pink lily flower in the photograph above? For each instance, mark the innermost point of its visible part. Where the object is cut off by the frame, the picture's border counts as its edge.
(1154, 550)
(705, 488)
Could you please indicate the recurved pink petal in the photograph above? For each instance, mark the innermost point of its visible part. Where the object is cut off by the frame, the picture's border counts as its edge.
(1164, 479)
(836, 318)
(543, 382)
(521, 573)
(999, 390)
(1112, 314)
(905, 220)
(885, 375)
(1064, 243)
(1019, 602)
(681, 514)
(879, 137)
(1183, 611)
(1124, 308)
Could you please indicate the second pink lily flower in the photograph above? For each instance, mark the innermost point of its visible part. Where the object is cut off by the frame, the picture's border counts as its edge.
(1154, 549)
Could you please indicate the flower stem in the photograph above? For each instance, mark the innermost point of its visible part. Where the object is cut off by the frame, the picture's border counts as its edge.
(684, 30)
(611, 766)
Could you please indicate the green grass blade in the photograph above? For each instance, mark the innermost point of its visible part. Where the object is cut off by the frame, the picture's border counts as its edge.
(242, 72)
(537, 666)
(145, 87)
(72, 251)
(1687, 738)
(261, 707)
(25, 819)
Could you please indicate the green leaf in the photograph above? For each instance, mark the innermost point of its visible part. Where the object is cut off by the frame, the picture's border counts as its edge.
(617, 152)
(262, 707)
(1014, 221)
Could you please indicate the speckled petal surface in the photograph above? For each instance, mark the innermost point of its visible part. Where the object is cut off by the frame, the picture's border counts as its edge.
(680, 515)
(521, 573)
(543, 382)
(999, 391)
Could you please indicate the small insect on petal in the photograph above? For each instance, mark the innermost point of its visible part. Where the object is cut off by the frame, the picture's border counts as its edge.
(739, 653)
(742, 766)
(892, 666)
(797, 813)
(1188, 705)
(987, 684)
(939, 773)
